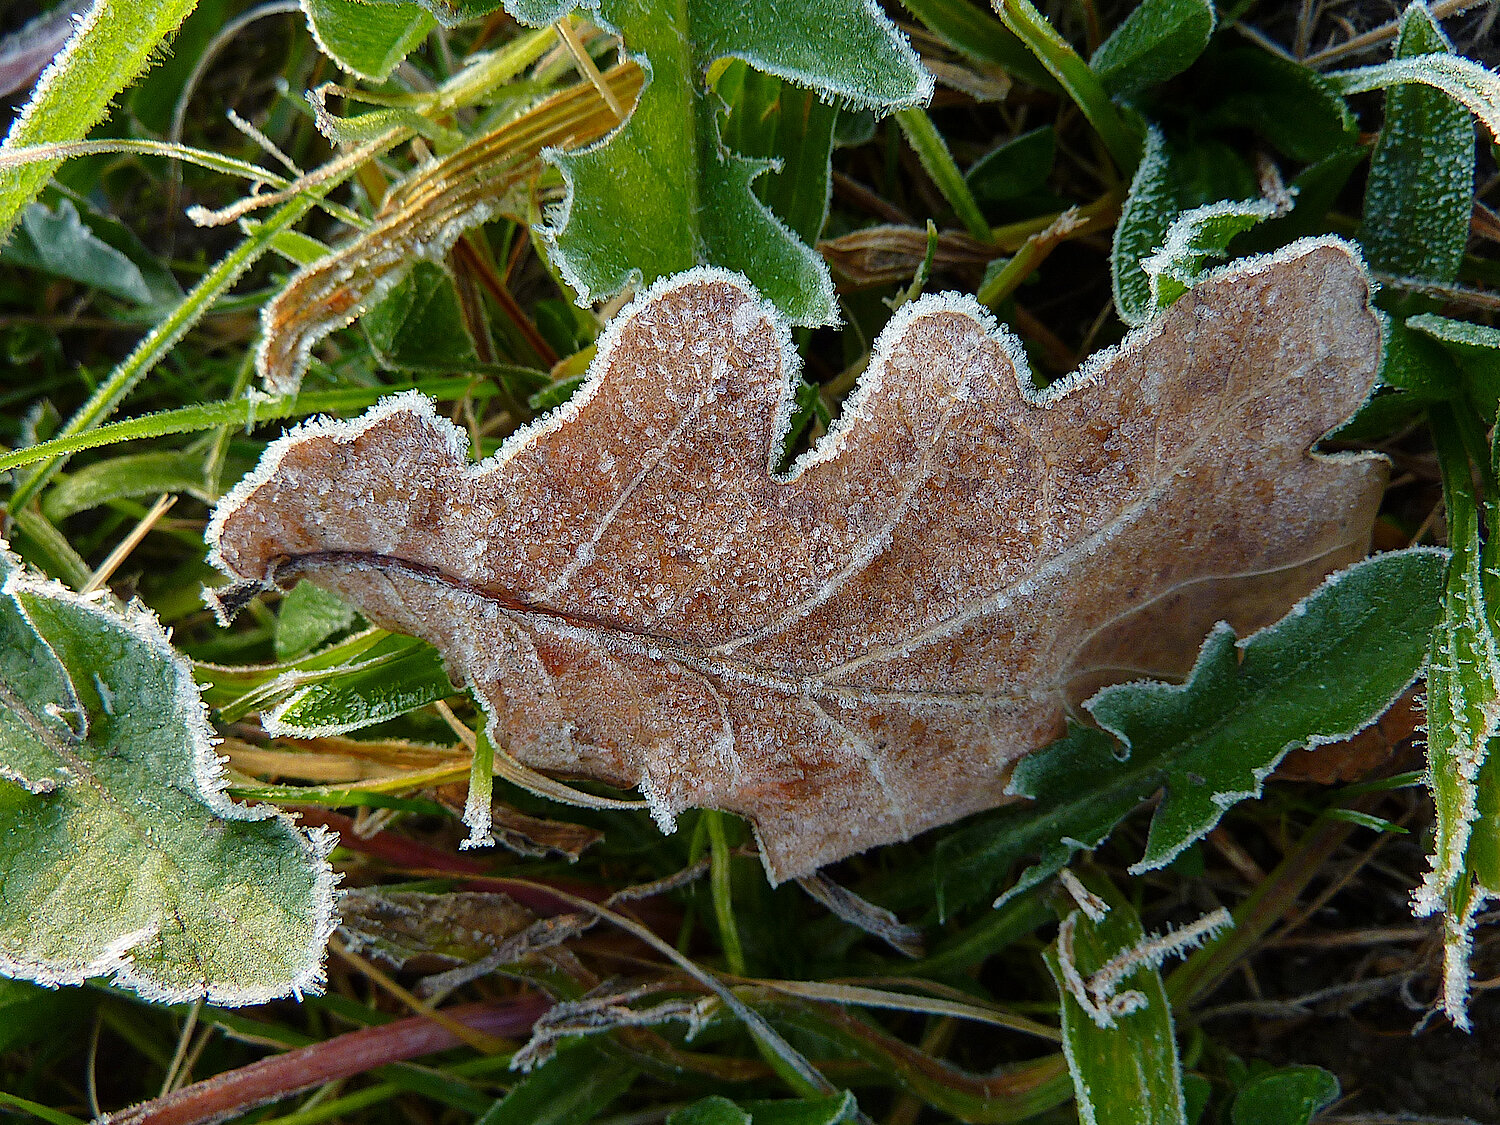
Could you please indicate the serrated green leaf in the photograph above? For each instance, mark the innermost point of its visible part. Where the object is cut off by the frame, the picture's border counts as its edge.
(1421, 185)
(309, 616)
(663, 193)
(1290, 1095)
(122, 855)
(1194, 238)
(138, 474)
(112, 44)
(1158, 40)
(1124, 1063)
(394, 677)
(419, 322)
(1328, 668)
(771, 119)
(368, 40)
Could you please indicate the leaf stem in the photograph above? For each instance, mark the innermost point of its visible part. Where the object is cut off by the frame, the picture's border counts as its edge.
(719, 857)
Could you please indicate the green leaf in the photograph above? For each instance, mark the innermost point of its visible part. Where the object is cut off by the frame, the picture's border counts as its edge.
(1297, 110)
(1013, 169)
(368, 40)
(1148, 211)
(138, 474)
(1158, 40)
(1193, 239)
(60, 243)
(1462, 79)
(1421, 185)
(1291, 1095)
(715, 1110)
(1117, 1027)
(1475, 348)
(771, 119)
(573, 1087)
(937, 161)
(835, 1109)
(396, 676)
(663, 193)
(309, 616)
(1327, 669)
(122, 854)
(1463, 722)
(113, 43)
(419, 322)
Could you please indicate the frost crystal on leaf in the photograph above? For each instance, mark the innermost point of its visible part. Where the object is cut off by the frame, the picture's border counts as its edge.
(861, 648)
(120, 851)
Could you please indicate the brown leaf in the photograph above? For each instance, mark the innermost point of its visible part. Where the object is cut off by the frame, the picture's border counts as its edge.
(860, 649)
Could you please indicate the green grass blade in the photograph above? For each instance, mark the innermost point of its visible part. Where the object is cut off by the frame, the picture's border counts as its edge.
(112, 45)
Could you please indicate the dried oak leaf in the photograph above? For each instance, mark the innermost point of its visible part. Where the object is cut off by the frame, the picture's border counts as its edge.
(859, 649)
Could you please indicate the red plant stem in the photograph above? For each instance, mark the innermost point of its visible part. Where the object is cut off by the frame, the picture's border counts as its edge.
(343, 1056)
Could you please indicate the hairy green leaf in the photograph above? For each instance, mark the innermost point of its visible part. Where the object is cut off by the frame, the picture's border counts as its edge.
(1475, 348)
(1148, 212)
(367, 40)
(1464, 80)
(1158, 40)
(1463, 723)
(122, 854)
(1327, 669)
(1421, 185)
(663, 193)
(772, 119)
(112, 44)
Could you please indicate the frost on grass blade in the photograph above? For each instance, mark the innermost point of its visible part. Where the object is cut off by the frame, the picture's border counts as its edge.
(122, 855)
(1148, 212)
(861, 647)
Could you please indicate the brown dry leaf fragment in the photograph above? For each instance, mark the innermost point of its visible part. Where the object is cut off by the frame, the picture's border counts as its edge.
(860, 649)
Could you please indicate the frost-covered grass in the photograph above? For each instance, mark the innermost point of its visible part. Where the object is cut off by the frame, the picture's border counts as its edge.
(1078, 167)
